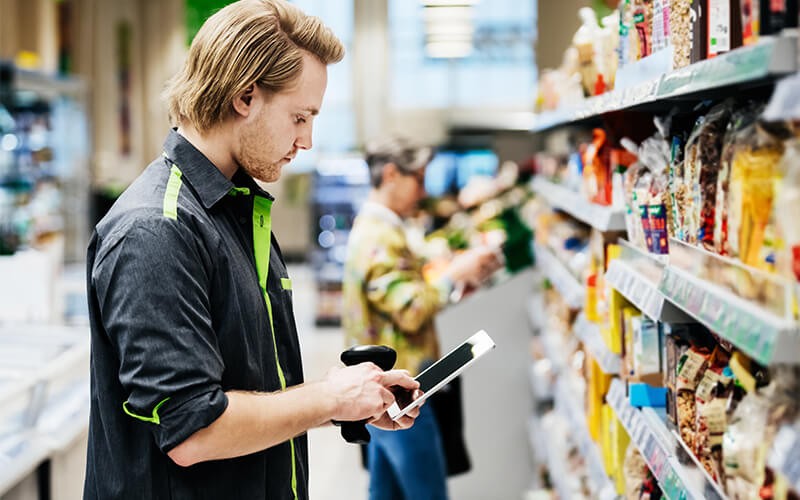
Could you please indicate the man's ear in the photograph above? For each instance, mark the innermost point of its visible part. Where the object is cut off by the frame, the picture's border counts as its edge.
(243, 101)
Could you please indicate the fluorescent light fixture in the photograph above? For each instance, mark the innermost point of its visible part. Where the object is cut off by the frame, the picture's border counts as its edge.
(446, 3)
(448, 14)
(443, 29)
(452, 50)
(449, 37)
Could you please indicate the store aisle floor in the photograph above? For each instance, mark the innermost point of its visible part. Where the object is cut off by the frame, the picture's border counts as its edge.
(335, 466)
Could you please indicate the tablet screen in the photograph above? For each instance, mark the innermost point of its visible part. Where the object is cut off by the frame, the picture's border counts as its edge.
(444, 370)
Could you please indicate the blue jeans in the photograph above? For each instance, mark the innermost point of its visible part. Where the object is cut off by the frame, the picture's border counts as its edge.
(408, 464)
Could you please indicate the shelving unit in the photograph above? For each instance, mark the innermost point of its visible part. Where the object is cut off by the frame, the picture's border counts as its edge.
(589, 334)
(598, 216)
(661, 451)
(770, 58)
(680, 288)
(561, 278)
(764, 330)
(637, 275)
(569, 406)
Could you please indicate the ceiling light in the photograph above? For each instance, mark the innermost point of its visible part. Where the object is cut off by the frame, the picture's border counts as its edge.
(442, 50)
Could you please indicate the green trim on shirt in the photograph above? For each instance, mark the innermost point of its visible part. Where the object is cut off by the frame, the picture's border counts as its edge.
(262, 230)
(171, 193)
(155, 419)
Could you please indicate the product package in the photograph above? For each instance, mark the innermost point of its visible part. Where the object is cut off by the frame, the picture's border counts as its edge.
(740, 121)
(710, 424)
(701, 167)
(754, 169)
(691, 367)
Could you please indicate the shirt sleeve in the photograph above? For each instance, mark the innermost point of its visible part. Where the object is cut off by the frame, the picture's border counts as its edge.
(152, 285)
(396, 287)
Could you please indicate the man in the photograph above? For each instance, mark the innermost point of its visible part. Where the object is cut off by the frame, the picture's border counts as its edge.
(197, 384)
(388, 301)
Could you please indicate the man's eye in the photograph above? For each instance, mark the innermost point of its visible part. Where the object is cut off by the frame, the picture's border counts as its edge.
(300, 119)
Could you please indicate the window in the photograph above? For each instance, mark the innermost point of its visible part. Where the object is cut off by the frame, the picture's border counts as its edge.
(500, 72)
(335, 128)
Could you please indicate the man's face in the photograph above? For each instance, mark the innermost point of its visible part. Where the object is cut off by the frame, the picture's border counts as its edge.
(280, 124)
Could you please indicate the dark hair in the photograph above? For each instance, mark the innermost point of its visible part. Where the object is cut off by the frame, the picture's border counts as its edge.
(407, 157)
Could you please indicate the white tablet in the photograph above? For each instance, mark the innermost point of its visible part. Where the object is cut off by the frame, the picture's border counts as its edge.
(443, 371)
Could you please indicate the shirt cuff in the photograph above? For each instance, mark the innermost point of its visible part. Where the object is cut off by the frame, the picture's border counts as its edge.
(179, 422)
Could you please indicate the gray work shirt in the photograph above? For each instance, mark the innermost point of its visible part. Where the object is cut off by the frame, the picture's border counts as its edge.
(176, 277)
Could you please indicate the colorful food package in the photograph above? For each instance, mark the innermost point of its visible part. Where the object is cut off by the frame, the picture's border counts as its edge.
(706, 171)
(744, 448)
(597, 184)
(752, 429)
(654, 153)
(675, 348)
(676, 190)
(740, 120)
(787, 206)
(643, 23)
(625, 11)
(646, 350)
(699, 20)
(711, 398)
(620, 159)
(724, 27)
(754, 170)
(634, 468)
(680, 32)
(688, 207)
(766, 17)
(691, 367)
(584, 43)
(660, 28)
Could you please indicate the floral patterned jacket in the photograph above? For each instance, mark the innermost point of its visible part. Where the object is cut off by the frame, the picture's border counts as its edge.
(386, 299)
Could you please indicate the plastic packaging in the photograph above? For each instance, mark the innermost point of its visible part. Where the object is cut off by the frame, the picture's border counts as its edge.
(741, 119)
(751, 194)
(787, 206)
(584, 43)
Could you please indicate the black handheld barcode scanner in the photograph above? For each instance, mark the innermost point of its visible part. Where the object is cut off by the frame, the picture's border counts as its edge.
(384, 357)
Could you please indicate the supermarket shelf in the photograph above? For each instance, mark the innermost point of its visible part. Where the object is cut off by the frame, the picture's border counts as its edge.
(771, 57)
(762, 334)
(568, 404)
(642, 292)
(785, 454)
(589, 334)
(557, 273)
(659, 448)
(711, 490)
(598, 216)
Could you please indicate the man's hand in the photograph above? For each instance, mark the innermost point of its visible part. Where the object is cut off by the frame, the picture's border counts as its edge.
(474, 266)
(362, 391)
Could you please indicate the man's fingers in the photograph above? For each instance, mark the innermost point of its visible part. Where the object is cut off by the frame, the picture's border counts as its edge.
(399, 377)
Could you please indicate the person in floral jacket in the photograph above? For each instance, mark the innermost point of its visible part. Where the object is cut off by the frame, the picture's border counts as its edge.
(387, 301)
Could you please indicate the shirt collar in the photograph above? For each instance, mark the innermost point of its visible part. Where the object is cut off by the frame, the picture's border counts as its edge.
(206, 179)
(382, 212)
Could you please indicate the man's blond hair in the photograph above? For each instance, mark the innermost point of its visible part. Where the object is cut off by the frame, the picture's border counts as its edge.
(248, 42)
